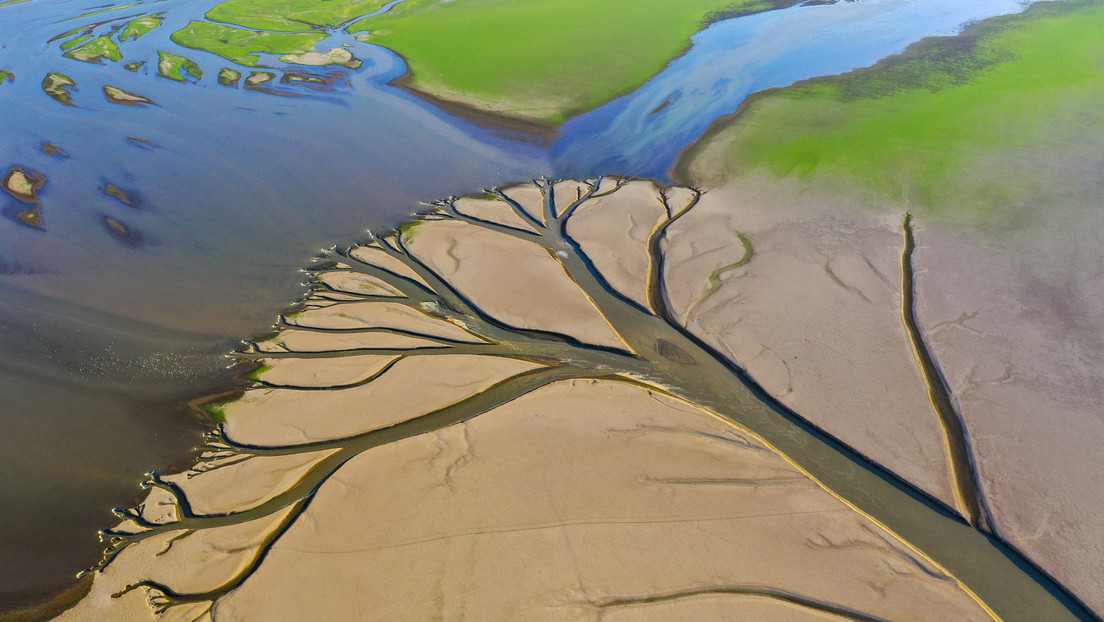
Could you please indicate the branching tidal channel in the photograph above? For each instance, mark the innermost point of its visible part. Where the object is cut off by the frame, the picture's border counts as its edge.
(395, 304)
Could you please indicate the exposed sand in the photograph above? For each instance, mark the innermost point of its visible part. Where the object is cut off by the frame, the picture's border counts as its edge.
(336, 56)
(815, 317)
(1012, 317)
(23, 186)
(463, 422)
(117, 95)
(557, 506)
(1019, 331)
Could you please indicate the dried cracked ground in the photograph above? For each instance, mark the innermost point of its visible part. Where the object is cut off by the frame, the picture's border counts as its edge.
(561, 400)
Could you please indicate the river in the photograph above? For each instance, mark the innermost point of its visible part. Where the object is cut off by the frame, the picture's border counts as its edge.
(111, 315)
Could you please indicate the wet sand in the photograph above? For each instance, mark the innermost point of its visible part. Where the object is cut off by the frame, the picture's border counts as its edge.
(550, 446)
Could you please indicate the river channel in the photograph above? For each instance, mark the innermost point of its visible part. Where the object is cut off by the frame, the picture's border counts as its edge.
(113, 313)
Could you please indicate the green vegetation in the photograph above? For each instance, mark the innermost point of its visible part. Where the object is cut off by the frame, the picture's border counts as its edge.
(241, 46)
(228, 77)
(95, 50)
(257, 78)
(216, 411)
(7, 75)
(137, 27)
(290, 15)
(176, 67)
(985, 127)
(74, 42)
(109, 9)
(257, 373)
(542, 61)
(57, 86)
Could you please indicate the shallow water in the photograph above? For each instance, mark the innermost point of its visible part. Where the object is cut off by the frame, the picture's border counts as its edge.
(100, 336)
(102, 332)
(643, 132)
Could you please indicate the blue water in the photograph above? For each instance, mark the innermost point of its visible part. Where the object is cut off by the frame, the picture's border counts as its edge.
(733, 59)
(99, 334)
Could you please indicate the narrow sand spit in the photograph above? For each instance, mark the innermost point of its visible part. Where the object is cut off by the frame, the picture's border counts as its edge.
(530, 405)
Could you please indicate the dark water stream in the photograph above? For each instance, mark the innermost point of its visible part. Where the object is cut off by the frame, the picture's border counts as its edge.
(112, 314)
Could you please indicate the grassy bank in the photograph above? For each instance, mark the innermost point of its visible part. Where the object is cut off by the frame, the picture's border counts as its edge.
(986, 126)
(290, 15)
(242, 45)
(542, 61)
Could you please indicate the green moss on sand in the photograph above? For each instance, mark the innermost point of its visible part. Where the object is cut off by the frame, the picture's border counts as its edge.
(176, 67)
(228, 77)
(290, 15)
(257, 373)
(988, 125)
(136, 28)
(57, 86)
(542, 61)
(240, 45)
(95, 50)
(216, 411)
(72, 43)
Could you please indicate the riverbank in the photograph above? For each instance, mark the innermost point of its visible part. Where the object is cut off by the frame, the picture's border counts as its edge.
(566, 57)
(992, 141)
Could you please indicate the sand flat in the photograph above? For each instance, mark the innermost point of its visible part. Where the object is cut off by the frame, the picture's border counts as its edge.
(413, 387)
(599, 491)
(516, 281)
(1019, 331)
(815, 318)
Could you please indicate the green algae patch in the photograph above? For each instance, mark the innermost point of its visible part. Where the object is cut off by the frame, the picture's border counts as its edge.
(136, 28)
(57, 86)
(541, 61)
(96, 50)
(256, 374)
(228, 77)
(6, 75)
(216, 411)
(983, 127)
(242, 46)
(72, 43)
(176, 67)
(290, 15)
